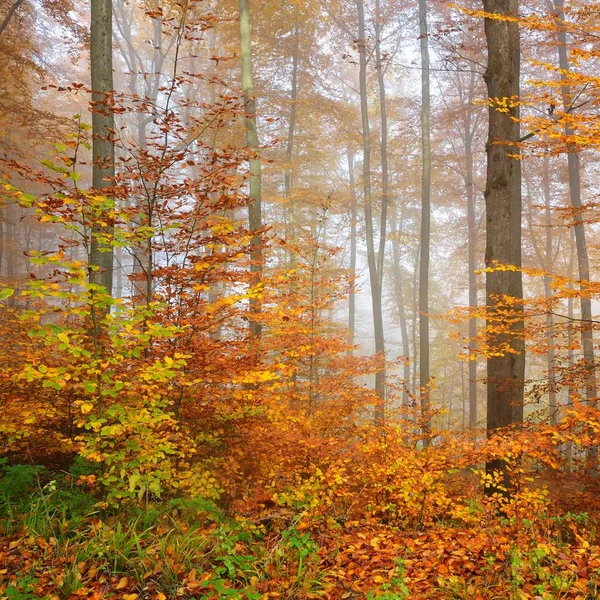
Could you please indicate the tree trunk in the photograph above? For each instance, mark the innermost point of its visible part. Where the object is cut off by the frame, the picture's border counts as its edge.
(415, 318)
(399, 294)
(103, 129)
(289, 153)
(424, 374)
(471, 262)
(551, 354)
(142, 284)
(570, 352)
(505, 373)
(383, 148)
(255, 206)
(587, 334)
(353, 218)
(374, 276)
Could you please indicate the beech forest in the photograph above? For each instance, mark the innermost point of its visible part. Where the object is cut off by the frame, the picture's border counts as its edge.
(299, 299)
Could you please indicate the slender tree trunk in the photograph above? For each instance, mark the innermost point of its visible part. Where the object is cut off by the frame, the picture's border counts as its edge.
(505, 373)
(424, 374)
(587, 334)
(462, 394)
(551, 354)
(103, 128)
(415, 319)
(383, 148)
(255, 206)
(570, 352)
(142, 284)
(289, 153)
(353, 219)
(399, 294)
(374, 276)
(471, 265)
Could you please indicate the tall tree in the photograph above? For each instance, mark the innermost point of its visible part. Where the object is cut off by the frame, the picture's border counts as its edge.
(424, 374)
(504, 287)
(353, 219)
(289, 152)
(470, 127)
(583, 265)
(375, 277)
(103, 130)
(396, 229)
(548, 256)
(255, 206)
(383, 145)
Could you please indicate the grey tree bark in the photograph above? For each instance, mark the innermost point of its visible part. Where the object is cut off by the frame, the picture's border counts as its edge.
(549, 244)
(353, 220)
(374, 277)
(103, 129)
(469, 133)
(400, 304)
(255, 205)
(424, 365)
(506, 372)
(383, 146)
(583, 265)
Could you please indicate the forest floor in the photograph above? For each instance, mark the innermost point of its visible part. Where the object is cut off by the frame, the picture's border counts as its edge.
(56, 543)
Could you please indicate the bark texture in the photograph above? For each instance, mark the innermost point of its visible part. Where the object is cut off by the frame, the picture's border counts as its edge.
(103, 129)
(506, 370)
(255, 205)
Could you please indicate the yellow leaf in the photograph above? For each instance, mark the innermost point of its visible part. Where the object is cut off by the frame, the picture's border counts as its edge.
(123, 584)
(86, 407)
(130, 596)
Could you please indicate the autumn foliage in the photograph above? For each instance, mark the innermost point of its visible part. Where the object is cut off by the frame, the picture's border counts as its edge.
(154, 446)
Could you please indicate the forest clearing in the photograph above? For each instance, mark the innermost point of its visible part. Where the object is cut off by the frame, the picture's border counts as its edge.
(299, 299)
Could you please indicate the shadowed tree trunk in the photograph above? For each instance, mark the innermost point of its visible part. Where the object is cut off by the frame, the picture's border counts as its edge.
(103, 129)
(254, 208)
(505, 373)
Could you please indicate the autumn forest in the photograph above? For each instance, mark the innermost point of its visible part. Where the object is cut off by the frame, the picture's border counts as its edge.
(299, 299)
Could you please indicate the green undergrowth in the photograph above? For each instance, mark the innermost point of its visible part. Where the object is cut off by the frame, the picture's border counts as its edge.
(177, 548)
